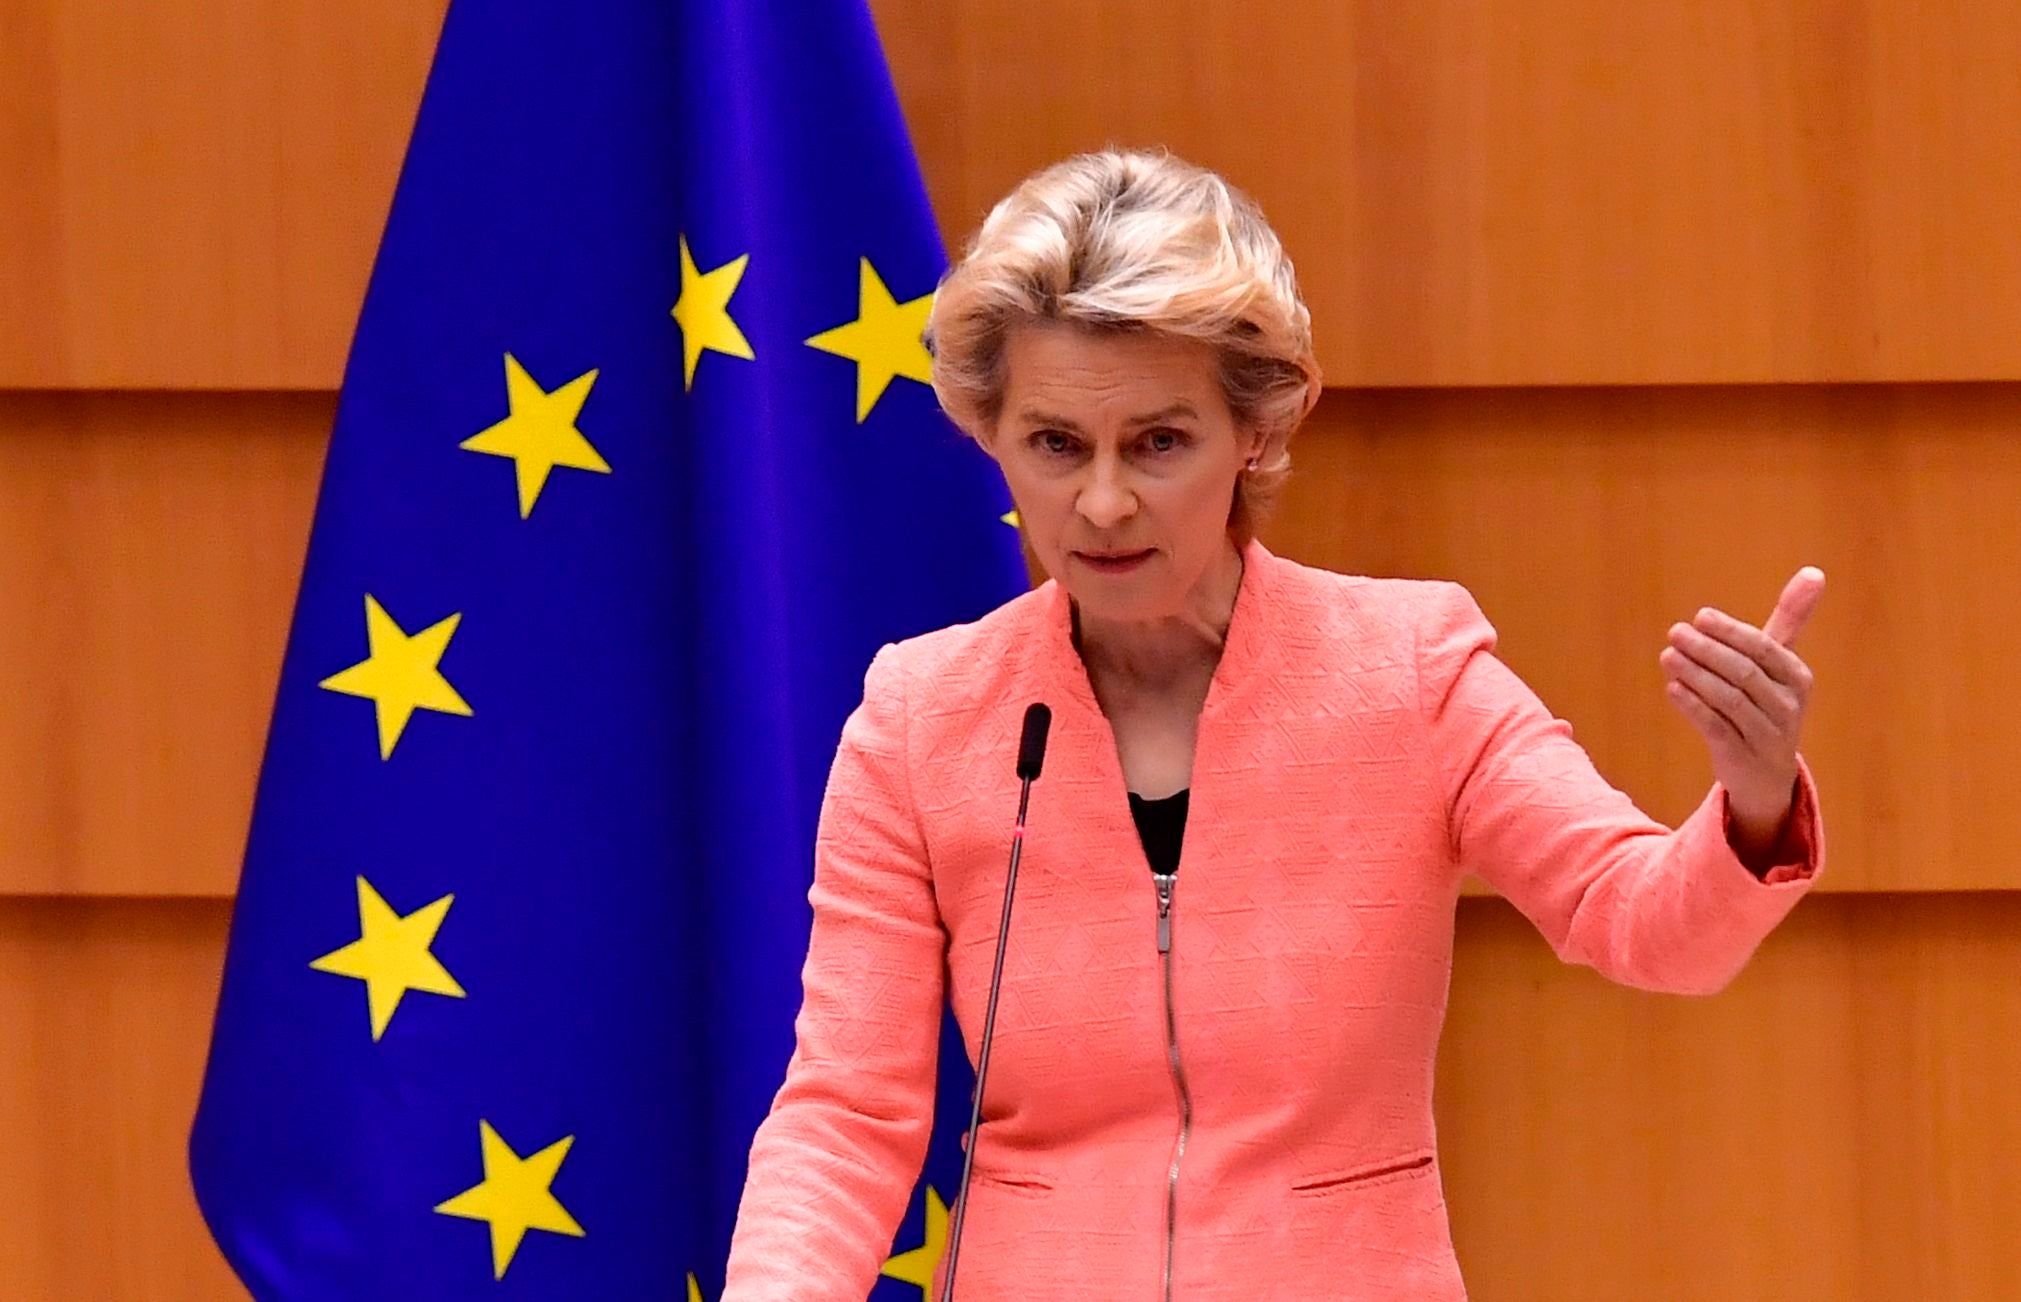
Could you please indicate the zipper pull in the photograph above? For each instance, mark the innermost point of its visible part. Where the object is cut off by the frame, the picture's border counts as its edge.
(1165, 882)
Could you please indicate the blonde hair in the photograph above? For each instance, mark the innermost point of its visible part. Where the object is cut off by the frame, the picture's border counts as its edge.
(1130, 240)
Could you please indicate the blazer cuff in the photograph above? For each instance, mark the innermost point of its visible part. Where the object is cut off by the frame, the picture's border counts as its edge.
(1798, 854)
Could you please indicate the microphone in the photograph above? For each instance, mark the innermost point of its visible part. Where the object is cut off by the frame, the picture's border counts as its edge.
(1031, 757)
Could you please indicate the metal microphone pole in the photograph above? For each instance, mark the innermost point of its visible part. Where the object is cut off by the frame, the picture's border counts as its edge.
(1031, 754)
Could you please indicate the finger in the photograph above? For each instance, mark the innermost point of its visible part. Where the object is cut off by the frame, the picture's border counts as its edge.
(1776, 659)
(1733, 705)
(1775, 700)
(1794, 608)
(1715, 727)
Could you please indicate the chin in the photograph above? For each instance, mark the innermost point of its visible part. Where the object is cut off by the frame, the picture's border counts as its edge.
(1145, 604)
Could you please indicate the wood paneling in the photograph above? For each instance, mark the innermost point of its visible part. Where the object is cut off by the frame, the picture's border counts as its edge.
(1587, 521)
(1498, 192)
(194, 189)
(149, 549)
(107, 1007)
(1835, 1125)
(1545, 191)
(1478, 193)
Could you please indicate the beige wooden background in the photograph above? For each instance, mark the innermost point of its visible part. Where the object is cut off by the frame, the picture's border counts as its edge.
(1627, 308)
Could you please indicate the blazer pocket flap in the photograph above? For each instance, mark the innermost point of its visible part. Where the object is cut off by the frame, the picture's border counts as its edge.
(1362, 1174)
(1015, 1181)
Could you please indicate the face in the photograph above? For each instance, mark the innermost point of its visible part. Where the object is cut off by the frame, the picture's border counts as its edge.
(1116, 443)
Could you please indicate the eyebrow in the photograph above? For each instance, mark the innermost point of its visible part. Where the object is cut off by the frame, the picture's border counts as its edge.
(1180, 408)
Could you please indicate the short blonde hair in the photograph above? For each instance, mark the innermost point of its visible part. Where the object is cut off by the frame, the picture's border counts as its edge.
(1134, 240)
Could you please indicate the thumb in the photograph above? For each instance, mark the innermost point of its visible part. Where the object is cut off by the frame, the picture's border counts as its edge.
(1794, 608)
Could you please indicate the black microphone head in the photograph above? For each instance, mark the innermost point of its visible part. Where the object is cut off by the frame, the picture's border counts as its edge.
(1032, 749)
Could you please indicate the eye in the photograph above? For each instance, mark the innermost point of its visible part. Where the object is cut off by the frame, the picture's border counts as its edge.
(1178, 440)
(1042, 440)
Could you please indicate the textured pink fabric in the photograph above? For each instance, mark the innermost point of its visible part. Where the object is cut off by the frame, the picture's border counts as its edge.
(1360, 750)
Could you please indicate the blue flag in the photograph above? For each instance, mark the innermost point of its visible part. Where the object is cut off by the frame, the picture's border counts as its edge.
(634, 469)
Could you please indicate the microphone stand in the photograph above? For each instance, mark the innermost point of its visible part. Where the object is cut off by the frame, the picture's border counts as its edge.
(1030, 756)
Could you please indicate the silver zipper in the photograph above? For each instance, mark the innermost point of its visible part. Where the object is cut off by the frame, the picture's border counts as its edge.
(1166, 881)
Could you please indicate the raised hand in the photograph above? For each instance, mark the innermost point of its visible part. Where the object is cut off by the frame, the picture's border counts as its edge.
(1745, 690)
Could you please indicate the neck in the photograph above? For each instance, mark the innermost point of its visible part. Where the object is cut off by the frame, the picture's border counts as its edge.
(1168, 648)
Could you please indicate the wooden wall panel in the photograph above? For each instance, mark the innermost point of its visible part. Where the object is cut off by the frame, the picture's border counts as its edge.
(1545, 191)
(1476, 191)
(194, 189)
(1586, 522)
(1835, 1126)
(107, 1007)
(150, 545)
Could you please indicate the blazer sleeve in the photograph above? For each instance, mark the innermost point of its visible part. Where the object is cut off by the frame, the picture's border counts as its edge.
(833, 1164)
(1607, 885)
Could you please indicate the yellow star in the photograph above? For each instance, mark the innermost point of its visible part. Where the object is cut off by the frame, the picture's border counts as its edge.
(514, 1196)
(391, 955)
(916, 1265)
(540, 432)
(694, 1288)
(1011, 518)
(703, 311)
(400, 676)
(884, 340)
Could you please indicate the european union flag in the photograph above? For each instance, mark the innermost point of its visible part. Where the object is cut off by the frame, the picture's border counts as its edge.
(634, 470)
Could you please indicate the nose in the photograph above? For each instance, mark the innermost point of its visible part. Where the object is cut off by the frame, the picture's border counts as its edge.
(1106, 500)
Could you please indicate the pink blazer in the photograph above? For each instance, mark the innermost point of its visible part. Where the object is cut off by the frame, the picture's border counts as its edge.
(1360, 750)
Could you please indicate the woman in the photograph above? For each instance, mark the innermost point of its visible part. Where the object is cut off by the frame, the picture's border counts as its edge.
(1212, 1071)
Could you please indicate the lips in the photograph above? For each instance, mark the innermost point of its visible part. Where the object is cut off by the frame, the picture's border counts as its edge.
(1115, 563)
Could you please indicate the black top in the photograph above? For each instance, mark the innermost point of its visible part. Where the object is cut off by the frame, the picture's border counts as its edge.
(1161, 824)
